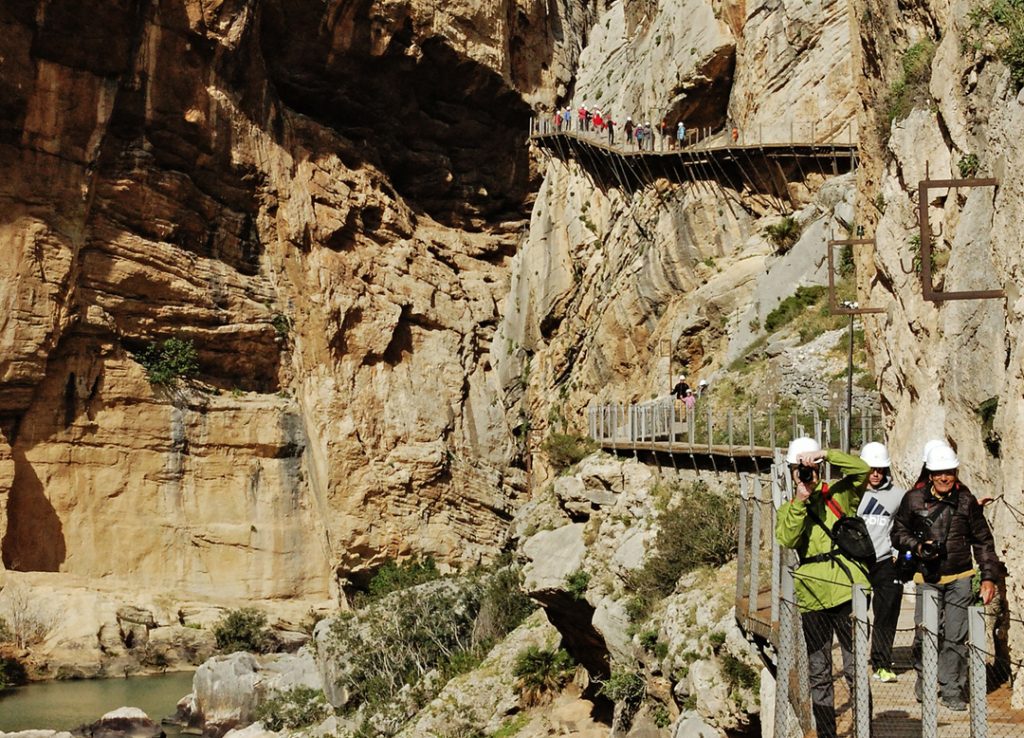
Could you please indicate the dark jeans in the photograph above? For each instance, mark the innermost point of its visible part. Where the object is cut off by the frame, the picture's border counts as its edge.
(954, 599)
(819, 626)
(886, 594)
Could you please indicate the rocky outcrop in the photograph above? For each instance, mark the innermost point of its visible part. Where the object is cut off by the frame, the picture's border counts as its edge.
(946, 369)
(77, 628)
(582, 572)
(227, 689)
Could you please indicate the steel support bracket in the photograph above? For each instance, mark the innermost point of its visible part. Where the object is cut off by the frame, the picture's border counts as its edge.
(928, 290)
(833, 307)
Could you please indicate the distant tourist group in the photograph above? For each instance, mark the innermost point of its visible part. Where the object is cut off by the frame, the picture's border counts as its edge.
(640, 136)
(934, 534)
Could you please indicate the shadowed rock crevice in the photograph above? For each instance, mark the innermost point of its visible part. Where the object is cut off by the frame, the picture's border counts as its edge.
(448, 132)
(34, 540)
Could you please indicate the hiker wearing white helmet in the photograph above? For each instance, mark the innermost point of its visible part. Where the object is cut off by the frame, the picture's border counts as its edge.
(822, 581)
(681, 387)
(941, 525)
(879, 504)
(922, 477)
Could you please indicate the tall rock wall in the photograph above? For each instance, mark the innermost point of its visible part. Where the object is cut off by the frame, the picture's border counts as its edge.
(323, 198)
(950, 369)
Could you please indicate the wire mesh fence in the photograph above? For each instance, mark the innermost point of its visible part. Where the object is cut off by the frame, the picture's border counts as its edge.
(947, 671)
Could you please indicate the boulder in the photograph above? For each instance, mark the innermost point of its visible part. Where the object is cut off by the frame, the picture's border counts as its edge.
(227, 689)
(124, 722)
(690, 725)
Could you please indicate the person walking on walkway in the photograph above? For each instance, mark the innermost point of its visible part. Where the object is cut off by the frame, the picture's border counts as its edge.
(681, 387)
(877, 507)
(942, 524)
(681, 133)
(823, 579)
(611, 129)
(627, 129)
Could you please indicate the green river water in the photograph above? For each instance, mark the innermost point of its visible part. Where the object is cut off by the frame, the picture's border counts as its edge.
(67, 704)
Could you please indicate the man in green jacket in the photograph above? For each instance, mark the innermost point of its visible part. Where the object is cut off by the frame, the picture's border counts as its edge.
(824, 577)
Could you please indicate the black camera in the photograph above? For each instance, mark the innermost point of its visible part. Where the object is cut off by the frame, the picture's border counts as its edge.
(805, 474)
(931, 550)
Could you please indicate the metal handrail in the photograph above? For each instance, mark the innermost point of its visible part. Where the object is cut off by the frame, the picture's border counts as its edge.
(667, 422)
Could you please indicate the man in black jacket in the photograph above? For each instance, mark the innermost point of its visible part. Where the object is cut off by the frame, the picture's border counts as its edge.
(941, 523)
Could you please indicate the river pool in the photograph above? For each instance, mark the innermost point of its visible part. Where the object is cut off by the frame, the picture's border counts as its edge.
(63, 705)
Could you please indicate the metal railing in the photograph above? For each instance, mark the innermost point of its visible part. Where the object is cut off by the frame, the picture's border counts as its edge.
(766, 608)
(668, 424)
(787, 133)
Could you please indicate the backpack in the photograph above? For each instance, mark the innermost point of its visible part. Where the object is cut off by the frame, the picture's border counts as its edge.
(849, 534)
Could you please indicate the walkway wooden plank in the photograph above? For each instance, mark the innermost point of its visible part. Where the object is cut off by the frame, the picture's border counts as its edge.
(688, 449)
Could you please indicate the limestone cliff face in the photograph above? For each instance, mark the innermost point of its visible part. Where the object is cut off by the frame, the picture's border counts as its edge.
(324, 198)
(947, 369)
(611, 289)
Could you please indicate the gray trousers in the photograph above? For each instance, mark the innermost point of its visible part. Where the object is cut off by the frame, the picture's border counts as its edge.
(954, 599)
(819, 627)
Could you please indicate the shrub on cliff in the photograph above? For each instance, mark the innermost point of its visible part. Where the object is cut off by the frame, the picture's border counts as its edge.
(564, 449)
(243, 630)
(394, 576)
(173, 360)
(298, 707)
(793, 306)
(541, 672)
(910, 89)
(999, 24)
(502, 608)
(783, 234)
(700, 530)
(406, 644)
(396, 641)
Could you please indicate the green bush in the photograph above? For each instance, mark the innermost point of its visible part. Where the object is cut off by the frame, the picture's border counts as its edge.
(173, 360)
(393, 576)
(624, 686)
(502, 609)
(540, 673)
(282, 324)
(783, 234)
(243, 630)
(396, 640)
(577, 583)
(968, 166)
(298, 707)
(6, 636)
(738, 674)
(1001, 21)
(564, 449)
(699, 531)
(911, 88)
(793, 306)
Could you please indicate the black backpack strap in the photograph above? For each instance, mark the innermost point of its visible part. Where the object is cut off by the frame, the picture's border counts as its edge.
(832, 555)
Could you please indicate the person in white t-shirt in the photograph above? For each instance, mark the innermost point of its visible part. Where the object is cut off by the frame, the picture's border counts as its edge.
(877, 507)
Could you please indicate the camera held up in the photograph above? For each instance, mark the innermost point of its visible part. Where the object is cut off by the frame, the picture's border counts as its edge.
(806, 474)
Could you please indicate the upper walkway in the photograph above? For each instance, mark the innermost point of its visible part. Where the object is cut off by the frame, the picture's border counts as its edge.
(740, 161)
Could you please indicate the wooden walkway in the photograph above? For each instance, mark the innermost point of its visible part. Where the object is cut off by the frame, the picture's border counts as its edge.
(896, 713)
(763, 168)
